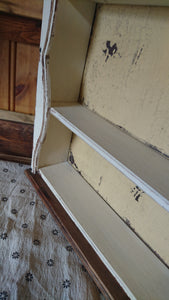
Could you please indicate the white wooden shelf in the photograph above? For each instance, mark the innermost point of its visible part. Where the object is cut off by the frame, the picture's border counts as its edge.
(73, 63)
(141, 164)
(135, 267)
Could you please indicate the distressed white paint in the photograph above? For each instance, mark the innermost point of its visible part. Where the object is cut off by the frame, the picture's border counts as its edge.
(114, 93)
(131, 88)
(124, 152)
(43, 86)
(72, 29)
(133, 77)
(65, 35)
(135, 267)
(56, 144)
(143, 214)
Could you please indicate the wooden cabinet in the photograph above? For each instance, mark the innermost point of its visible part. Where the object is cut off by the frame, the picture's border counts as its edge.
(19, 54)
(100, 157)
(20, 25)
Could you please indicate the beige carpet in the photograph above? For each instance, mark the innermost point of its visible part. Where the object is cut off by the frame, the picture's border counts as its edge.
(36, 261)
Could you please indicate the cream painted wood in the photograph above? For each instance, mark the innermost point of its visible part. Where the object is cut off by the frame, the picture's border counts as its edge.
(130, 88)
(43, 94)
(16, 117)
(135, 207)
(65, 35)
(56, 144)
(123, 151)
(124, 88)
(135, 2)
(49, 8)
(69, 46)
(104, 91)
(136, 268)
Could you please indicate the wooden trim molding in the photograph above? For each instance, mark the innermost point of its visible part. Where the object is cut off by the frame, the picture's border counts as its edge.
(16, 141)
(100, 274)
(31, 8)
(16, 117)
(20, 29)
(15, 158)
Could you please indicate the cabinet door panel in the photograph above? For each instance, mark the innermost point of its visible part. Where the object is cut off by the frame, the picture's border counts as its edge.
(4, 78)
(27, 57)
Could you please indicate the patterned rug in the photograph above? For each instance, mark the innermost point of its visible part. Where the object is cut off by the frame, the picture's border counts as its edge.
(36, 260)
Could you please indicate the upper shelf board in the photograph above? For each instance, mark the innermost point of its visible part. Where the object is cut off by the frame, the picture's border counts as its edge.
(144, 166)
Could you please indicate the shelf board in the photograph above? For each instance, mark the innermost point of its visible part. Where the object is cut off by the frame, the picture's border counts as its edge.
(141, 164)
(140, 273)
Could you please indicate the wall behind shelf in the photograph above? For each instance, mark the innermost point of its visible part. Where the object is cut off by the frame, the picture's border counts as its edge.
(125, 81)
(148, 219)
(126, 74)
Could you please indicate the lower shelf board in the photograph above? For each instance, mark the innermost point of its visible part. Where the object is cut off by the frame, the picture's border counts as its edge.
(137, 161)
(100, 274)
(127, 260)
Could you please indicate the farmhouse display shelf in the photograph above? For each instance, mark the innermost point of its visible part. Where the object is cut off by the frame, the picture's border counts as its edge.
(123, 151)
(120, 262)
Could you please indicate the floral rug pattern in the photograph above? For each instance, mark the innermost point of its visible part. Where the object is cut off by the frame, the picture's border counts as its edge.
(36, 260)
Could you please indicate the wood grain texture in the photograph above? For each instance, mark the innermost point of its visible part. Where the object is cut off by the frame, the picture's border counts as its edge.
(20, 29)
(12, 74)
(16, 138)
(16, 117)
(102, 277)
(15, 158)
(31, 8)
(27, 57)
(4, 78)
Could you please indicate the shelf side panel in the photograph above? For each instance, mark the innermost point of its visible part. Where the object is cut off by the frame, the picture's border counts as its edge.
(42, 92)
(68, 49)
(55, 146)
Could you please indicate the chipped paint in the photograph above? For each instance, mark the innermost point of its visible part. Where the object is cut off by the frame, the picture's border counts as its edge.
(131, 92)
(137, 193)
(100, 180)
(137, 56)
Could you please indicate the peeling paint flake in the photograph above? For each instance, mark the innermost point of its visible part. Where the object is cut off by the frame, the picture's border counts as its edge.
(100, 181)
(137, 193)
(110, 50)
(137, 56)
